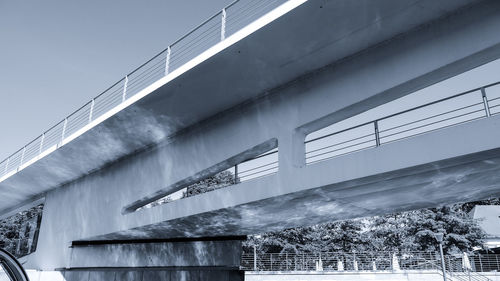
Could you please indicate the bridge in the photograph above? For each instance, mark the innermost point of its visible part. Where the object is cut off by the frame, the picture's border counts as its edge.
(255, 90)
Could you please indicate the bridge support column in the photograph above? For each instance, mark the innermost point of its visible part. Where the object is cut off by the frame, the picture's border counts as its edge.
(190, 260)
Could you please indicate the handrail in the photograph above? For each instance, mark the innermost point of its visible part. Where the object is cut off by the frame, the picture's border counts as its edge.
(148, 73)
(407, 110)
(426, 124)
(365, 261)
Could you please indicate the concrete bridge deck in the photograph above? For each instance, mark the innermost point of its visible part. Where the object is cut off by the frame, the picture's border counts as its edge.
(336, 59)
(309, 36)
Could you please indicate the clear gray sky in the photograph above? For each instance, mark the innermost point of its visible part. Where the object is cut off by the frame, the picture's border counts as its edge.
(55, 55)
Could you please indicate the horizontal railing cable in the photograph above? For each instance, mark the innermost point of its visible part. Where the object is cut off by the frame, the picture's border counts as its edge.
(205, 35)
(462, 110)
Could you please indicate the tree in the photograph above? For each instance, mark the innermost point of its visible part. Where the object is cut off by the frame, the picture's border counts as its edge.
(462, 233)
(399, 232)
(11, 228)
(219, 180)
(344, 236)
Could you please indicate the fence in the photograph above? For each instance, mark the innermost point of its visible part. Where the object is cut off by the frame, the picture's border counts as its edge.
(366, 261)
(215, 29)
(457, 109)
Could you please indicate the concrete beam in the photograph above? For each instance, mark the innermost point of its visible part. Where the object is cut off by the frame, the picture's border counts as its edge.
(309, 37)
(390, 178)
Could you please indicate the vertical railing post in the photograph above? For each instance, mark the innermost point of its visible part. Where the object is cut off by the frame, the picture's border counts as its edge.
(41, 144)
(236, 173)
(22, 156)
(390, 258)
(92, 103)
(377, 134)
(286, 261)
(485, 102)
(223, 25)
(303, 261)
(167, 60)
(124, 94)
(480, 263)
(7, 165)
(254, 258)
(64, 129)
(271, 262)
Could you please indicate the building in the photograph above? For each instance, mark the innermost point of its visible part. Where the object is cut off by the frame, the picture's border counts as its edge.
(489, 221)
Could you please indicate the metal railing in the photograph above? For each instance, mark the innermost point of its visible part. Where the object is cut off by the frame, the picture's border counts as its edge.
(372, 261)
(457, 109)
(262, 165)
(455, 270)
(215, 29)
(332, 261)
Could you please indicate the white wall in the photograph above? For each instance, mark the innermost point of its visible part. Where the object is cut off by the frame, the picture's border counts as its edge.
(353, 276)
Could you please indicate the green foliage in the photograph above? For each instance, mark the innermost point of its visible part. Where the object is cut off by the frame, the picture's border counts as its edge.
(13, 228)
(219, 180)
(407, 231)
(402, 232)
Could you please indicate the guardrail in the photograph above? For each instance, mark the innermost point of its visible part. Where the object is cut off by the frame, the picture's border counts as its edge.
(332, 261)
(471, 105)
(215, 29)
(257, 167)
(371, 261)
(260, 166)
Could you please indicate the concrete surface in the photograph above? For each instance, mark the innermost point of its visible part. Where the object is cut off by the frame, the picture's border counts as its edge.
(157, 275)
(459, 163)
(354, 276)
(488, 218)
(179, 260)
(132, 275)
(309, 37)
(158, 254)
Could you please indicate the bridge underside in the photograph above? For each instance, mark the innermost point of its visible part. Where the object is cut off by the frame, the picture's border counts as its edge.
(438, 184)
(314, 34)
(225, 106)
(463, 178)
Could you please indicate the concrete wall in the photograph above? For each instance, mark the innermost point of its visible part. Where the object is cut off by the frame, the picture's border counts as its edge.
(90, 208)
(194, 254)
(131, 275)
(283, 276)
(354, 276)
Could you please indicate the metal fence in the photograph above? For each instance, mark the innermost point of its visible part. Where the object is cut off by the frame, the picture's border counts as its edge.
(457, 109)
(366, 261)
(331, 261)
(215, 29)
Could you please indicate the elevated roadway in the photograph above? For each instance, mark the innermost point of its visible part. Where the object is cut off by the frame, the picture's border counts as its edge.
(300, 68)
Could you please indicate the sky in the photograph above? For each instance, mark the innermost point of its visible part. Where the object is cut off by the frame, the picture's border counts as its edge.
(56, 55)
